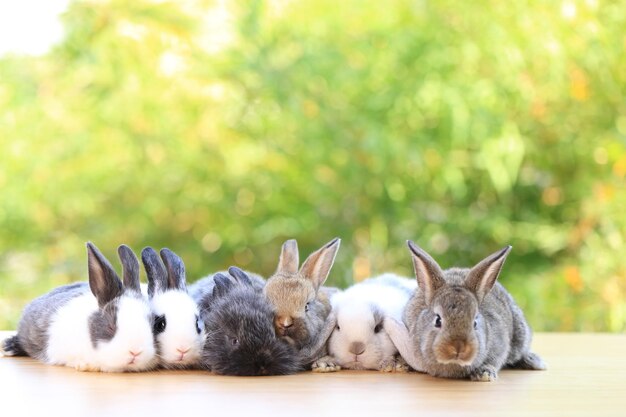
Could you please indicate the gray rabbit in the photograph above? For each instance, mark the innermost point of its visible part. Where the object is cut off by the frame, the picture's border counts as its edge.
(240, 333)
(461, 323)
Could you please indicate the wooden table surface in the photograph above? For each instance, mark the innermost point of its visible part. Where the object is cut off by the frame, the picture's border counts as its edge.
(586, 377)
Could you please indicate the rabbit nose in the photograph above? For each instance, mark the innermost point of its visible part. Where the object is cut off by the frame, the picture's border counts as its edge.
(357, 348)
(135, 353)
(182, 350)
(285, 322)
(459, 347)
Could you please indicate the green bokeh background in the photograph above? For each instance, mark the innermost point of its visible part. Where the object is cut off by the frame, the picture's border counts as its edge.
(222, 129)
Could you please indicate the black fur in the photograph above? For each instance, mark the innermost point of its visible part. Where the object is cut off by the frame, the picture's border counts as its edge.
(12, 347)
(240, 332)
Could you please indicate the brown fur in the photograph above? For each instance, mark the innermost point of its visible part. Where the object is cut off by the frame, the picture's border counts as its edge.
(301, 306)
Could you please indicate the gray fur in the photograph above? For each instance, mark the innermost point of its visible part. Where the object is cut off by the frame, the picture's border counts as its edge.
(501, 339)
(103, 323)
(32, 331)
(32, 335)
(130, 268)
(155, 270)
(175, 270)
(203, 288)
(240, 333)
(103, 280)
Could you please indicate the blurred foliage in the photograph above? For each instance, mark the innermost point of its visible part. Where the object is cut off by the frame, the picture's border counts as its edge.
(222, 129)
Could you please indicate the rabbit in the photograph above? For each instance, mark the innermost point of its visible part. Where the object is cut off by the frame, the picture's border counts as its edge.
(461, 323)
(301, 307)
(202, 289)
(97, 326)
(240, 332)
(360, 340)
(178, 329)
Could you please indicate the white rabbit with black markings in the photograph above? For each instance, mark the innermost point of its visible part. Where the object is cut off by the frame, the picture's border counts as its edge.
(359, 340)
(178, 329)
(97, 326)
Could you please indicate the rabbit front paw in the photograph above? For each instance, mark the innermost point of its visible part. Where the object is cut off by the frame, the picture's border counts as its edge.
(484, 374)
(393, 365)
(325, 364)
(85, 367)
(401, 365)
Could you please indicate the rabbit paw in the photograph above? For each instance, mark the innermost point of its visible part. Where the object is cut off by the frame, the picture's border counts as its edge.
(85, 367)
(393, 365)
(82, 367)
(401, 365)
(486, 374)
(325, 364)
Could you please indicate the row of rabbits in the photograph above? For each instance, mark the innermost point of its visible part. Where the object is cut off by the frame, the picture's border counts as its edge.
(457, 323)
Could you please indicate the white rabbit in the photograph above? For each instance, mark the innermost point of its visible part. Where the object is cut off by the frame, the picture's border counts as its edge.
(100, 326)
(359, 340)
(178, 329)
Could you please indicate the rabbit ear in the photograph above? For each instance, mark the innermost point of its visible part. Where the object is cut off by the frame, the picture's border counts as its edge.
(157, 275)
(317, 266)
(103, 281)
(483, 276)
(289, 258)
(175, 270)
(428, 272)
(240, 276)
(222, 285)
(130, 267)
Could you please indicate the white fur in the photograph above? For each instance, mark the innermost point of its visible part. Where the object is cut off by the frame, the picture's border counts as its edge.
(180, 333)
(356, 321)
(70, 344)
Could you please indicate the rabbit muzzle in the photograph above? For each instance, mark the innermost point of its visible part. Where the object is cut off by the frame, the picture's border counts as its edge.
(457, 351)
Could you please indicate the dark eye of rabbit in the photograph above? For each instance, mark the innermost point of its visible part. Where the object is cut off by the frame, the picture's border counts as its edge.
(306, 307)
(338, 328)
(475, 323)
(198, 325)
(234, 341)
(378, 328)
(159, 324)
(438, 321)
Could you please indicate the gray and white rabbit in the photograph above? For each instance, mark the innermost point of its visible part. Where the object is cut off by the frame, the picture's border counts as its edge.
(178, 329)
(97, 326)
(302, 309)
(461, 323)
(360, 340)
(240, 333)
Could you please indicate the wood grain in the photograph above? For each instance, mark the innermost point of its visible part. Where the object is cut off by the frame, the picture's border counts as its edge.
(586, 376)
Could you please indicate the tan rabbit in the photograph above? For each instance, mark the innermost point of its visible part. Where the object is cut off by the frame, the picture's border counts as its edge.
(461, 323)
(301, 305)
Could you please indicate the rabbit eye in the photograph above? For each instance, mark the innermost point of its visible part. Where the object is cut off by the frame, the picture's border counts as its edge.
(338, 328)
(475, 323)
(234, 341)
(378, 328)
(198, 325)
(306, 307)
(438, 321)
(159, 324)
